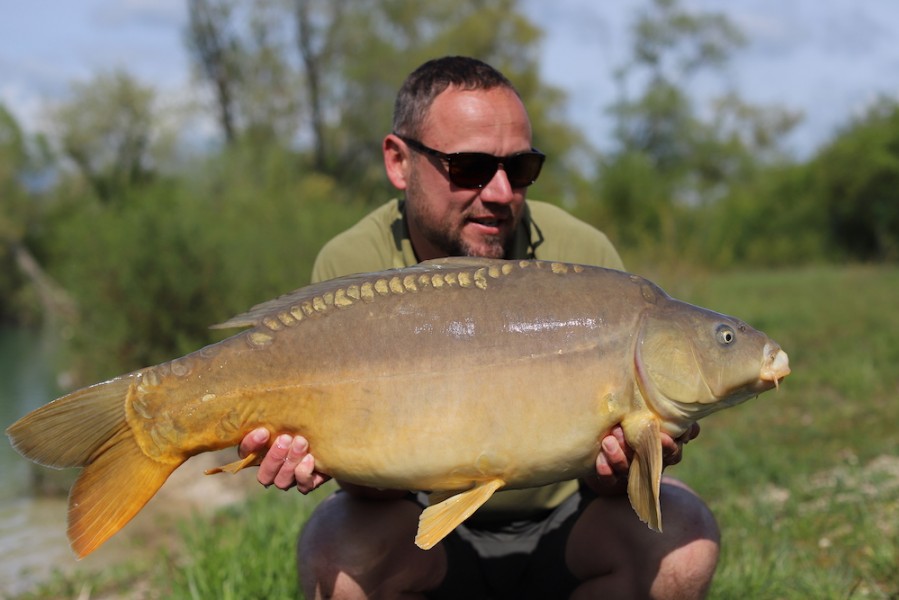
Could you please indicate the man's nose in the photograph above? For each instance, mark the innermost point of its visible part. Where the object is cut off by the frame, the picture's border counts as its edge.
(498, 189)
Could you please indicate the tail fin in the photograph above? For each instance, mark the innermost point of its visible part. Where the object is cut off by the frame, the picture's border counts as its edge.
(88, 429)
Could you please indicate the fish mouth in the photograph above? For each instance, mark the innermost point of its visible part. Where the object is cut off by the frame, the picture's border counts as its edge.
(776, 365)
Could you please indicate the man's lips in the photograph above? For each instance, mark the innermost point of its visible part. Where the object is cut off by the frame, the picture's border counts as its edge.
(488, 222)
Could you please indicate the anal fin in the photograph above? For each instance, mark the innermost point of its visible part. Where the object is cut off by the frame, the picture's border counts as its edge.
(642, 432)
(438, 520)
(250, 460)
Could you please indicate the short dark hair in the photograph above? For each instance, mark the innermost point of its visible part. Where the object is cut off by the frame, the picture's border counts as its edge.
(428, 81)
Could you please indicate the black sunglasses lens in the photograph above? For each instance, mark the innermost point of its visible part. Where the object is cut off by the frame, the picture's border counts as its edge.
(523, 169)
(472, 169)
(475, 170)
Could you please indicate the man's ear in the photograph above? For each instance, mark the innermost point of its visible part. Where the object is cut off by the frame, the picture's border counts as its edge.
(396, 161)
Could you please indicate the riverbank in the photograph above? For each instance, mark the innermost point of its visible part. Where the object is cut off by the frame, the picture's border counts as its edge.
(34, 544)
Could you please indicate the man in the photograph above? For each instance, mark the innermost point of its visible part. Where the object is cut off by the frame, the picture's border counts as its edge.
(461, 152)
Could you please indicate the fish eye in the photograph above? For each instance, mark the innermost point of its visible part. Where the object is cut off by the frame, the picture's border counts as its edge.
(725, 335)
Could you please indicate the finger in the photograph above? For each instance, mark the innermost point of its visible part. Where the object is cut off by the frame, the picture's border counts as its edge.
(303, 473)
(274, 460)
(672, 452)
(253, 442)
(618, 433)
(307, 477)
(287, 475)
(614, 455)
(693, 433)
(603, 468)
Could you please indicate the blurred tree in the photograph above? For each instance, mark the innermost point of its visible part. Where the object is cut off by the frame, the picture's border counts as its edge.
(381, 45)
(27, 293)
(14, 162)
(350, 60)
(856, 180)
(214, 49)
(183, 254)
(695, 161)
(106, 129)
(14, 165)
(317, 24)
(243, 51)
(670, 45)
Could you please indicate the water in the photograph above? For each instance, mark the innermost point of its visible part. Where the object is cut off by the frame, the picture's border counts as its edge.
(32, 537)
(33, 508)
(27, 380)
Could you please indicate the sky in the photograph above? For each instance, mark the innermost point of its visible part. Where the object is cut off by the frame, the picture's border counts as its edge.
(829, 59)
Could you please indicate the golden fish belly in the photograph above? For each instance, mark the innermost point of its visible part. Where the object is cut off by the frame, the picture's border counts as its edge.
(445, 430)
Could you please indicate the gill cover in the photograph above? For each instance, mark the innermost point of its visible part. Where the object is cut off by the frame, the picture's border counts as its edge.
(692, 361)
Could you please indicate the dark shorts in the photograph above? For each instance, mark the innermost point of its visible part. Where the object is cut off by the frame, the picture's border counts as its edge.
(513, 559)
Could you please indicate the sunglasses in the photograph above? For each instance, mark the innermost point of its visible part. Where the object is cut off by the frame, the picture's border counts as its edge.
(474, 170)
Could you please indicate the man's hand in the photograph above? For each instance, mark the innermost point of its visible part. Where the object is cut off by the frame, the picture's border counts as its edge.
(615, 457)
(286, 464)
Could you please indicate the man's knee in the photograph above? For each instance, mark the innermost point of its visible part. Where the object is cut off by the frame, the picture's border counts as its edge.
(614, 553)
(348, 535)
(691, 554)
(351, 545)
(686, 517)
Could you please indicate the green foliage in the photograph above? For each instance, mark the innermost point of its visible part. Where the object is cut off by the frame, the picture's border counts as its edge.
(151, 275)
(669, 45)
(389, 41)
(856, 181)
(635, 209)
(23, 163)
(13, 210)
(771, 220)
(352, 58)
(106, 129)
(672, 41)
(681, 187)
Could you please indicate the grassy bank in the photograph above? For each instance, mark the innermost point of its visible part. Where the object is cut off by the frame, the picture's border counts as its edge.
(804, 481)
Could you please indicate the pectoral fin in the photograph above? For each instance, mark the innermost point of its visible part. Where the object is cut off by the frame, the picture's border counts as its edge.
(644, 478)
(438, 520)
(250, 460)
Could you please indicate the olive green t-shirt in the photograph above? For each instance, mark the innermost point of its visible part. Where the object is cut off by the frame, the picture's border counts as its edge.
(381, 241)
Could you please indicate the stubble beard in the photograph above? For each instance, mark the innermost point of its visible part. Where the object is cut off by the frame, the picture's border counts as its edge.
(443, 236)
(493, 246)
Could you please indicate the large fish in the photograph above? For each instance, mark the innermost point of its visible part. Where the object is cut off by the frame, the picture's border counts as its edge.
(457, 376)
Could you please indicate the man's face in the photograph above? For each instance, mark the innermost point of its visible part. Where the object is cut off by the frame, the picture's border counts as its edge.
(445, 220)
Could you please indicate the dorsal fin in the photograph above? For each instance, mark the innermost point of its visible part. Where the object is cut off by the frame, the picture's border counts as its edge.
(333, 287)
(304, 294)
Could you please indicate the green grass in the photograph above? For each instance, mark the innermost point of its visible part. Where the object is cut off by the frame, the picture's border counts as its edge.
(804, 481)
(246, 551)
